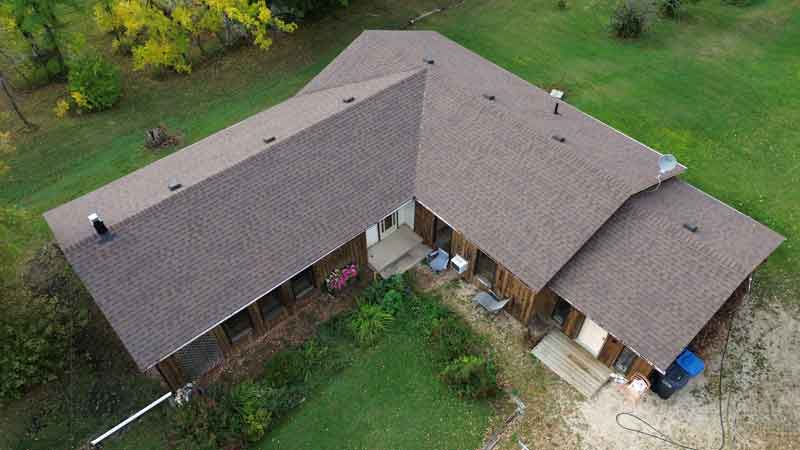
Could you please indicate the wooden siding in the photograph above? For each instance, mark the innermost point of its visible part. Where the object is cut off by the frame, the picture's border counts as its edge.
(255, 317)
(286, 296)
(461, 246)
(222, 340)
(171, 373)
(523, 298)
(572, 325)
(610, 351)
(544, 303)
(423, 223)
(354, 251)
(641, 367)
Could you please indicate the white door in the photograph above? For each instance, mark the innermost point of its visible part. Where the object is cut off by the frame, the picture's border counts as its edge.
(388, 225)
(406, 214)
(592, 337)
(372, 235)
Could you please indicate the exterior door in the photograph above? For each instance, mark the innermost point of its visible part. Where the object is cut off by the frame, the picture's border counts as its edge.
(372, 235)
(591, 337)
(388, 225)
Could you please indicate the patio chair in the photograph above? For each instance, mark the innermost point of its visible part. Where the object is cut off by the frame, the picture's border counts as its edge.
(438, 260)
(489, 302)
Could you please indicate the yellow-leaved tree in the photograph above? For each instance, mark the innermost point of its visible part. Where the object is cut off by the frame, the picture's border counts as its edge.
(162, 36)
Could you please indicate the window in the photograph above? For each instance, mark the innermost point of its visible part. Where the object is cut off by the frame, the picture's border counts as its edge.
(270, 305)
(485, 269)
(389, 221)
(442, 234)
(303, 283)
(238, 326)
(624, 360)
(561, 311)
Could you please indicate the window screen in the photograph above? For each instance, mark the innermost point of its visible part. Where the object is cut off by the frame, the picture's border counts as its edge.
(238, 326)
(624, 360)
(270, 305)
(303, 283)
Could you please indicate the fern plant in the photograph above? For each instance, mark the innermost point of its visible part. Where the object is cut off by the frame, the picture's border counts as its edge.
(368, 323)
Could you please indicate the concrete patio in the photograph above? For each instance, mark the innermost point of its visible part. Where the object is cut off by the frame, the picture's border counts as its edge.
(397, 253)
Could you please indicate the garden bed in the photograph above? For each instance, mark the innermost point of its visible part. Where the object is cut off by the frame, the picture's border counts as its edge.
(400, 370)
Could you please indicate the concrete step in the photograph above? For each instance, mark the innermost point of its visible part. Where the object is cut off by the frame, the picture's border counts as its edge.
(407, 261)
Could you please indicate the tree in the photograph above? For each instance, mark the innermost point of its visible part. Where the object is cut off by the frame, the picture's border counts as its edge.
(161, 35)
(38, 22)
(4, 86)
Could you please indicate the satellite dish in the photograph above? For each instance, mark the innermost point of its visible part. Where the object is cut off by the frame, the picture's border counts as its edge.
(666, 163)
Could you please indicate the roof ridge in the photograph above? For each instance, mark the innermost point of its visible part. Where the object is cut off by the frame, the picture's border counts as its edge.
(405, 74)
(122, 223)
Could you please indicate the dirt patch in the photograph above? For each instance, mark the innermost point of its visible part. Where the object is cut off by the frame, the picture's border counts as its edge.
(760, 396)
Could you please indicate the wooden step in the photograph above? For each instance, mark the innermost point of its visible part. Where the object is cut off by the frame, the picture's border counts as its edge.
(572, 363)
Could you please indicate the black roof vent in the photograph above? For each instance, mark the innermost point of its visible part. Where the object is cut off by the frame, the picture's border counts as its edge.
(349, 100)
(559, 138)
(691, 227)
(428, 60)
(174, 184)
(489, 97)
(269, 140)
(97, 224)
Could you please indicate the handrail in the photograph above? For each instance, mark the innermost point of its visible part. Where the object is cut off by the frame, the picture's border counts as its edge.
(131, 419)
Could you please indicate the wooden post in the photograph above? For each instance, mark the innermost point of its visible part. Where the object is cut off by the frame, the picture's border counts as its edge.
(572, 325)
(423, 223)
(171, 373)
(610, 351)
(255, 316)
(641, 367)
(286, 296)
(222, 340)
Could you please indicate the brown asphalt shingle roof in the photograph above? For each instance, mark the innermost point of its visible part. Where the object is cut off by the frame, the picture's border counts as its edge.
(250, 215)
(177, 268)
(653, 283)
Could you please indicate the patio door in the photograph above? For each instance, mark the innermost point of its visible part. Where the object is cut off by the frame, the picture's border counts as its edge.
(388, 225)
(591, 337)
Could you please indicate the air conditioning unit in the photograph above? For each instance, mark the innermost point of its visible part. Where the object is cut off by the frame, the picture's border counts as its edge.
(459, 264)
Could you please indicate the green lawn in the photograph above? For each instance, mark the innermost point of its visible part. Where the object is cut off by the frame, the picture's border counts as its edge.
(390, 398)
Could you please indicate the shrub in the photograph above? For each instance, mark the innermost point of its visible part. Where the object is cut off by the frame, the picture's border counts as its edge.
(252, 417)
(451, 338)
(286, 368)
(392, 302)
(562, 4)
(34, 337)
(368, 323)
(299, 9)
(630, 18)
(195, 424)
(670, 8)
(94, 84)
(471, 376)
